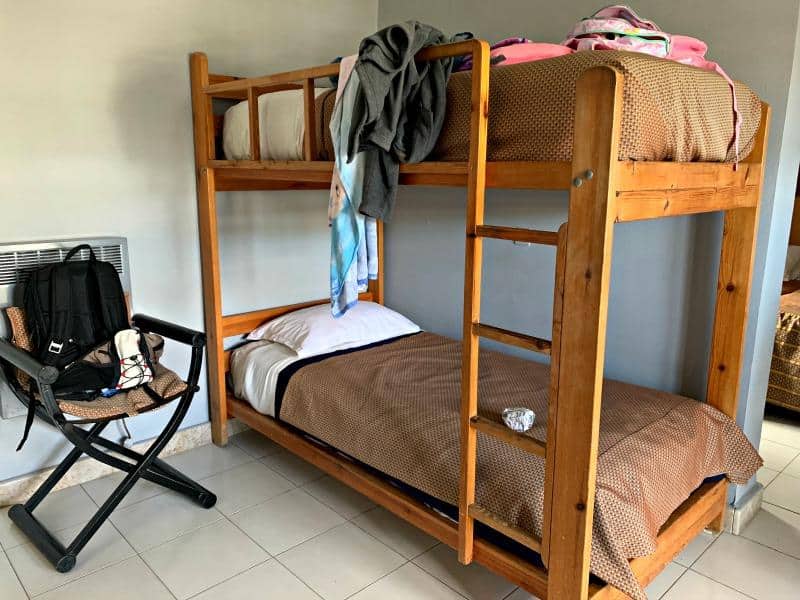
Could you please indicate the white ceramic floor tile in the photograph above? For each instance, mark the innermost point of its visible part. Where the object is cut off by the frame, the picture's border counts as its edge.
(204, 461)
(341, 561)
(409, 581)
(129, 580)
(695, 548)
(100, 489)
(765, 475)
(246, 485)
(160, 519)
(664, 580)
(785, 492)
(107, 547)
(203, 558)
(341, 498)
(10, 586)
(270, 578)
(59, 510)
(520, 594)
(777, 528)
(255, 444)
(777, 456)
(751, 568)
(286, 520)
(693, 586)
(793, 468)
(395, 533)
(472, 581)
(783, 431)
(294, 468)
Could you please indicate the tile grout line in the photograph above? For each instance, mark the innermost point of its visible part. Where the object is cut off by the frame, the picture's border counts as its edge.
(14, 570)
(796, 558)
(382, 577)
(247, 570)
(730, 587)
(677, 579)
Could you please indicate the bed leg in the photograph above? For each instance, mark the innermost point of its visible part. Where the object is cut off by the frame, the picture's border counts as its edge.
(212, 306)
(590, 228)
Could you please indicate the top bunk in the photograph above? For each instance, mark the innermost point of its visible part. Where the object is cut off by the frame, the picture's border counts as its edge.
(675, 150)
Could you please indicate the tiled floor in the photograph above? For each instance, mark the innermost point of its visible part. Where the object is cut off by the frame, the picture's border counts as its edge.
(283, 530)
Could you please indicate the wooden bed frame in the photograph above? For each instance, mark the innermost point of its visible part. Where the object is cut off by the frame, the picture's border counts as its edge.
(602, 191)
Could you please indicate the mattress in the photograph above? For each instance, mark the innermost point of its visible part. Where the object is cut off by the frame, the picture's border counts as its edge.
(395, 408)
(671, 112)
(281, 127)
(784, 375)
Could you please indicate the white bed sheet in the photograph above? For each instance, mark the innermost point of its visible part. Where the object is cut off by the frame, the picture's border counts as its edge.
(255, 368)
(281, 127)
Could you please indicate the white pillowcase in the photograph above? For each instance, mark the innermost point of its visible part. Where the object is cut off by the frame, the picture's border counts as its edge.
(312, 331)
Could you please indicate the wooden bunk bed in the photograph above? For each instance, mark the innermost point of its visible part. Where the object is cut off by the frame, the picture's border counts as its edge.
(603, 191)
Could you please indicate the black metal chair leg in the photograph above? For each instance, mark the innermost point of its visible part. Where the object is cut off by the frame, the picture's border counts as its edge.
(58, 473)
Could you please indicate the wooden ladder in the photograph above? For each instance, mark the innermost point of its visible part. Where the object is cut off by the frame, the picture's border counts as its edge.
(474, 329)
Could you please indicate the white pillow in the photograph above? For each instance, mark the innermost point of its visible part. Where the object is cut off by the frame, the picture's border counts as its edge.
(312, 331)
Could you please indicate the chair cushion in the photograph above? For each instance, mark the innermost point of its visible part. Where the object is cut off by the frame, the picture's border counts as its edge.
(166, 384)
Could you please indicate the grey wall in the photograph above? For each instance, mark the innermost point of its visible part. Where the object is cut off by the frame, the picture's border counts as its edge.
(97, 140)
(663, 272)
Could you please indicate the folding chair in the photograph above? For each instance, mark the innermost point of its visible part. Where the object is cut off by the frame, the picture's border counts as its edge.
(88, 441)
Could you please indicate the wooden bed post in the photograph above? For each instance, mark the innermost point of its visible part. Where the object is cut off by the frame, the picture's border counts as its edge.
(209, 246)
(739, 233)
(476, 192)
(575, 430)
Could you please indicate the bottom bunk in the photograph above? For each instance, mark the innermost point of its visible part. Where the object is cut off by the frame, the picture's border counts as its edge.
(384, 419)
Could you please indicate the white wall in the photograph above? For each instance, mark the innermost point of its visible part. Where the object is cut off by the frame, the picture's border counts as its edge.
(97, 140)
(660, 308)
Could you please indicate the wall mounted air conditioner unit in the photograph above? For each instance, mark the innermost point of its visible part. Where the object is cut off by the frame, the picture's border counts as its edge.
(17, 259)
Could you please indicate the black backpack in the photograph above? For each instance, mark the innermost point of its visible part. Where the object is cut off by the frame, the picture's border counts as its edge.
(73, 306)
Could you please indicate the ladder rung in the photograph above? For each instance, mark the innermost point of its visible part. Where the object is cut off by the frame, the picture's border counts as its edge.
(501, 432)
(515, 533)
(518, 234)
(514, 338)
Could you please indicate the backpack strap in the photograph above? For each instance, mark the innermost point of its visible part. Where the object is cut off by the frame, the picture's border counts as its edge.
(77, 249)
(113, 308)
(60, 316)
(29, 417)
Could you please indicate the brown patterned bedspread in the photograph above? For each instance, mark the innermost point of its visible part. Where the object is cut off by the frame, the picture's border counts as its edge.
(670, 112)
(784, 375)
(395, 407)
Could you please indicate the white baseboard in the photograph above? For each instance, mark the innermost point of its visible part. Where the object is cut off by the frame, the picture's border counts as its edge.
(745, 510)
(19, 489)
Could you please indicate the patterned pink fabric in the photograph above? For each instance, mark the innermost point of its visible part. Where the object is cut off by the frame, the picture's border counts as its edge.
(511, 51)
(620, 28)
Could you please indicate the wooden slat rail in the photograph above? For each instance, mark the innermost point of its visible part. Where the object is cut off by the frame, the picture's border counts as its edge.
(240, 323)
(487, 517)
(300, 75)
(517, 234)
(501, 432)
(513, 338)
